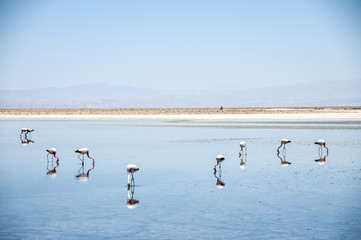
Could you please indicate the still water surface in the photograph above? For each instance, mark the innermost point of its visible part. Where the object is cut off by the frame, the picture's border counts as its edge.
(176, 186)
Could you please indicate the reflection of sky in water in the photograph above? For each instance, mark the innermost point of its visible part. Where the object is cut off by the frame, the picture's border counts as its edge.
(176, 188)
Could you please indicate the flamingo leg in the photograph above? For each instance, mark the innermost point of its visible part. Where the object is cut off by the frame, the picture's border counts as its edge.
(132, 181)
(215, 167)
(81, 159)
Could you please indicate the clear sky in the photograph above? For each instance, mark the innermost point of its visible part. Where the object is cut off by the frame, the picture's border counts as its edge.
(185, 44)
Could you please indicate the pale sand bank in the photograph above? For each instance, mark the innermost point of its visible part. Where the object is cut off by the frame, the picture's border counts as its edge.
(188, 114)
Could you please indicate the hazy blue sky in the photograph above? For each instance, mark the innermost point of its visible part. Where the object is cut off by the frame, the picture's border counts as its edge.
(178, 44)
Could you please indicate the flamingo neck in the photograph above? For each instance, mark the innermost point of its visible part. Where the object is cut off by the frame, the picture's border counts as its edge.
(128, 178)
(90, 157)
(326, 148)
(57, 159)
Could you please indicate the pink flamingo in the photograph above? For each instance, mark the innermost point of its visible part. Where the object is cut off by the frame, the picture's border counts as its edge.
(82, 152)
(131, 168)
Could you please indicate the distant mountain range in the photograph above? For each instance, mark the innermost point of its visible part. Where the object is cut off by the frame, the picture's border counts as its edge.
(99, 95)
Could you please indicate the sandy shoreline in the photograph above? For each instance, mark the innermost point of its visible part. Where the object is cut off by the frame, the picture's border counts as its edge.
(188, 114)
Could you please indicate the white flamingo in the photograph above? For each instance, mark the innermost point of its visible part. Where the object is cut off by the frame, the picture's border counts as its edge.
(321, 143)
(25, 141)
(283, 143)
(131, 169)
(219, 159)
(26, 130)
(52, 151)
(284, 163)
(82, 152)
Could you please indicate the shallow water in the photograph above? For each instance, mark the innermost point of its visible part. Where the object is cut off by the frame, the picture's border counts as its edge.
(176, 186)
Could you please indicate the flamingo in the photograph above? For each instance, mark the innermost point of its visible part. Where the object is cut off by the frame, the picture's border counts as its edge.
(284, 163)
(321, 143)
(26, 131)
(52, 151)
(131, 169)
(82, 152)
(26, 141)
(283, 143)
(243, 154)
(219, 159)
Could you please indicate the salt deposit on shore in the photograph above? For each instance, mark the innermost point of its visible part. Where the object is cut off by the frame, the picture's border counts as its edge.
(188, 114)
(201, 117)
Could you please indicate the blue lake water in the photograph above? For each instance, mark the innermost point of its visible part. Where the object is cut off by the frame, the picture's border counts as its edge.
(176, 186)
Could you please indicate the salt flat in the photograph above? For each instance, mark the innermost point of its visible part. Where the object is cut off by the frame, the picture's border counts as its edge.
(188, 114)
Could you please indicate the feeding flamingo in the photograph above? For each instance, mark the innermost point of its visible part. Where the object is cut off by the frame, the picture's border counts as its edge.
(26, 130)
(219, 159)
(131, 169)
(284, 163)
(321, 143)
(321, 160)
(82, 152)
(283, 143)
(52, 151)
(243, 154)
(25, 141)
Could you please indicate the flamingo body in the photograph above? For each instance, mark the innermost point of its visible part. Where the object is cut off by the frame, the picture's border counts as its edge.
(51, 151)
(285, 141)
(82, 151)
(242, 144)
(219, 158)
(320, 142)
(132, 168)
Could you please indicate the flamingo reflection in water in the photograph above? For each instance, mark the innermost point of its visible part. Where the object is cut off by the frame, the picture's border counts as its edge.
(24, 138)
(220, 184)
(243, 155)
(132, 203)
(52, 171)
(322, 159)
(82, 176)
(284, 163)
